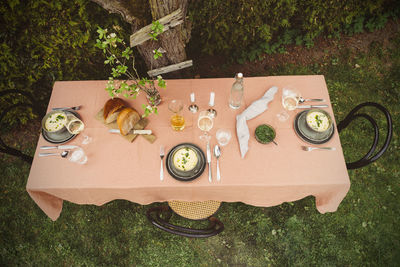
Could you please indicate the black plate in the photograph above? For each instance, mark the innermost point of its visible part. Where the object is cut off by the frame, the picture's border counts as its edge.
(308, 135)
(62, 137)
(186, 175)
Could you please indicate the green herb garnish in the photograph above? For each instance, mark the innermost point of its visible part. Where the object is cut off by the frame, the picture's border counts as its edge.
(318, 120)
(265, 133)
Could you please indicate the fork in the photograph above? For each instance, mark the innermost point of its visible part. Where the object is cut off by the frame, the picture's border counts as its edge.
(68, 108)
(311, 148)
(162, 165)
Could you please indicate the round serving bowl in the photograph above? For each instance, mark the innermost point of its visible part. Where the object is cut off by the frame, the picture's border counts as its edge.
(61, 128)
(318, 120)
(265, 133)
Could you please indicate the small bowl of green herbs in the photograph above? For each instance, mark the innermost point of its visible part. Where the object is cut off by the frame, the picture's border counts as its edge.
(265, 134)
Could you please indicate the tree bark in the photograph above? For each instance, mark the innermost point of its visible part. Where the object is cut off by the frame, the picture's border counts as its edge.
(172, 41)
(120, 7)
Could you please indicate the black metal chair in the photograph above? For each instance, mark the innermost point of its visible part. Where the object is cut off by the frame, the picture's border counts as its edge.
(197, 210)
(369, 157)
(31, 103)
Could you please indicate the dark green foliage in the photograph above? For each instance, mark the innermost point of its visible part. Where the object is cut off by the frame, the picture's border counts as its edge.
(45, 41)
(246, 29)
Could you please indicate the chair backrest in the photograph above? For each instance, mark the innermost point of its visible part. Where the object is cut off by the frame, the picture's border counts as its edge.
(31, 103)
(197, 210)
(369, 157)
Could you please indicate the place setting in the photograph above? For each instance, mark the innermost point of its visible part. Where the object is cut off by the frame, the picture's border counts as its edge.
(312, 125)
(187, 161)
(60, 126)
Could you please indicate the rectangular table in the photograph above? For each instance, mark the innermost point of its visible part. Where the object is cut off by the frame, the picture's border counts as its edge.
(116, 169)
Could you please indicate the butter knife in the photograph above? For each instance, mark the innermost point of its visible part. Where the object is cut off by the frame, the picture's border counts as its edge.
(312, 106)
(209, 162)
(133, 131)
(59, 147)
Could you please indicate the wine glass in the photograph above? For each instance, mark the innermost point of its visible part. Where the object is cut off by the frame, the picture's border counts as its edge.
(290, 100)
(205, 123)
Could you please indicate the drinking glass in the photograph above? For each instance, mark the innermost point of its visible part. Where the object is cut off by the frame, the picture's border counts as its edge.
(77, 155)
(177, 120)
(205, 123)
(223, 137)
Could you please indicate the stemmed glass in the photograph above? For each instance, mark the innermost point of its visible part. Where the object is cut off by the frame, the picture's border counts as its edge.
(205, 123)
(290, 100)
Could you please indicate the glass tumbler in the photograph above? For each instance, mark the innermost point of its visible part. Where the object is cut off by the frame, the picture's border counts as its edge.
(177, 120)
(223, 137)
(77, 155)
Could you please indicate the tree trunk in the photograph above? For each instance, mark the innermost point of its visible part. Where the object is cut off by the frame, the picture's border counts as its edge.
(172, 41)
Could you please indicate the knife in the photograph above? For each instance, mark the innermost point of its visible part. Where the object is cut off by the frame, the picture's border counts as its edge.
(59, 147)
(209, 162)
(133, 131)
(312, 106)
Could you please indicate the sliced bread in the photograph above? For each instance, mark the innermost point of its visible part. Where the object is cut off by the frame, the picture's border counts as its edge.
(112, 108)
(127, 118)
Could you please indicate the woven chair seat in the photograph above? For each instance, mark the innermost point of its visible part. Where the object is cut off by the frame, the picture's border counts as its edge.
(195, 210)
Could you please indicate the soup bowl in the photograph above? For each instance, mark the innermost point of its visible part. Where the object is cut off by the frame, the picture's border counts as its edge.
(54, 122)
(318, 120)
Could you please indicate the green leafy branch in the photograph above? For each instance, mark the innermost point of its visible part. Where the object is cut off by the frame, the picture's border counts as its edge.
(119, 56)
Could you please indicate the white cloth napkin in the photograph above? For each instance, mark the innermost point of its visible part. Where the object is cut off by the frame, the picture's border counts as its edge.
(256, 108)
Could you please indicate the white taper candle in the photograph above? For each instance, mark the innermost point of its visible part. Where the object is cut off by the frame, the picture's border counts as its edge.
(212, 98)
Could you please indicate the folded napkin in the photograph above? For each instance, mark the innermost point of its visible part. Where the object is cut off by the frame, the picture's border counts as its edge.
(256, 108)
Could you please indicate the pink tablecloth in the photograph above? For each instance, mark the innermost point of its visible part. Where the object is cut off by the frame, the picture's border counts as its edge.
(116, 169)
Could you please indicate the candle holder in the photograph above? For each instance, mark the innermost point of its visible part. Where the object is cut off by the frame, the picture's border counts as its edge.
(193, 107)
(211, 110)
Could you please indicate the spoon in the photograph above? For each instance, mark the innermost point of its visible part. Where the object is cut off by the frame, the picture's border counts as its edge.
(217, 154)
(302, 100)
(63, 154)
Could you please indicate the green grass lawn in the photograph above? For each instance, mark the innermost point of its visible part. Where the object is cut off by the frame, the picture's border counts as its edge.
(365, 230)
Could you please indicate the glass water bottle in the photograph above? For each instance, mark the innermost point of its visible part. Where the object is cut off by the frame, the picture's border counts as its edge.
(235, 99)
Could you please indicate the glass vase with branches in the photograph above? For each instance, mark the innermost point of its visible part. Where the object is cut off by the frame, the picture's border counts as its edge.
(126, 81)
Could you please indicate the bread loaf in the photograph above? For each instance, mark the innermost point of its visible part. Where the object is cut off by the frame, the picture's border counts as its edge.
(112, 108)
(127, 118)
